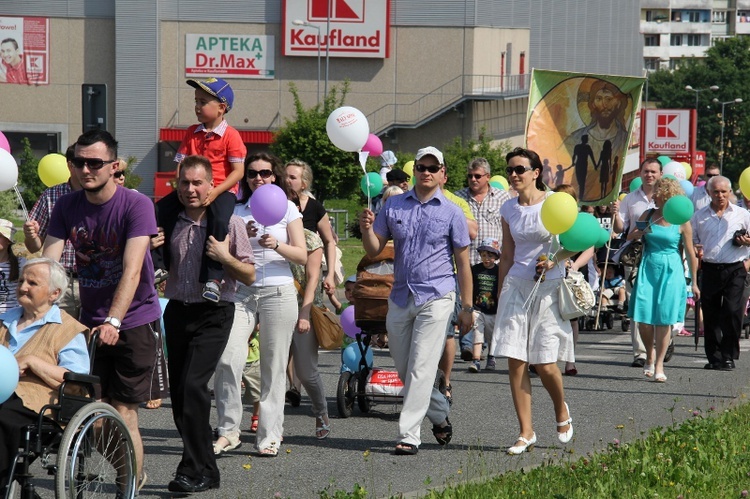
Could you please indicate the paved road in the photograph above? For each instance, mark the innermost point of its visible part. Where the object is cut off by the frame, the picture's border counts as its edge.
(607, 393)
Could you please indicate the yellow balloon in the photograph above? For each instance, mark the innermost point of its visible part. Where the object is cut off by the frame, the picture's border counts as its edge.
(622, 196)
(53, 169)
(559, 212)
(501, 180)
(745, 182)
(688, 169)
(409, 168)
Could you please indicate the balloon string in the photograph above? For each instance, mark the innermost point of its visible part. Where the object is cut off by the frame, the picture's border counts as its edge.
(20, 201)
(263, 259)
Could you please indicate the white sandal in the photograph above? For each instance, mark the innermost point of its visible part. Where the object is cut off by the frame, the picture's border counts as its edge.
(648, 370)
(322, 430)
(528, 444)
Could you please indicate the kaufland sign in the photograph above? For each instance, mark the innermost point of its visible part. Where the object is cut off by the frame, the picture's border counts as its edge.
(346, 28)
(667, 131)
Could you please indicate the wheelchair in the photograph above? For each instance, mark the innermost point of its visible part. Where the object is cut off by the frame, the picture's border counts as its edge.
(86, 446)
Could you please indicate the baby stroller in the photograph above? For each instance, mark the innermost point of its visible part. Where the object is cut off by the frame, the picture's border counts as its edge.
(611, 310)
(370, 385)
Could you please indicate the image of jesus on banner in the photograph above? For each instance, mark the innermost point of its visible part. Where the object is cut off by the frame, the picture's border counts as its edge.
(580, 126)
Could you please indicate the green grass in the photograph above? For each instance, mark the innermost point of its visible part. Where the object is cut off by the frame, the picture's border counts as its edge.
(706, 456)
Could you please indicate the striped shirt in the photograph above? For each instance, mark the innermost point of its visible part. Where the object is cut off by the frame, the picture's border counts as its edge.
(41, 213)
(487, 214)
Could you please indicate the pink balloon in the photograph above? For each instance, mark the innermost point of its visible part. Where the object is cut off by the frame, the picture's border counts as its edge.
(373, 145)
(268, 204)
(701, 183)
(5, 145)
(348, 324)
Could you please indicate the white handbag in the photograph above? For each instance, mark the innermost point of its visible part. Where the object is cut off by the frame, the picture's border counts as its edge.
(576, 296)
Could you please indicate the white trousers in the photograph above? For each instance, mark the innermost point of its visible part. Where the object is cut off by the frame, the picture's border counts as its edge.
(416, 338)
(229, 370)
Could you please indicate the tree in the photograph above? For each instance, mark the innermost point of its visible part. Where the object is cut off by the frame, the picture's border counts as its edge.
(458, 156)
(727, 64)
(29, 183)
(305, 137)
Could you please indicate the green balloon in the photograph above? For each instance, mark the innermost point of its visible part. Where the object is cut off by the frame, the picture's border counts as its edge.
(603, 239)
(497, 185)
(584, 234)
(635, 184)
(663, 160)
(678, 210)
(376, 184)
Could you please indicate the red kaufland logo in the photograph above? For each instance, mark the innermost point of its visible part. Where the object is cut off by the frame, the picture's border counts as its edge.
(667, 126)
(346, 11)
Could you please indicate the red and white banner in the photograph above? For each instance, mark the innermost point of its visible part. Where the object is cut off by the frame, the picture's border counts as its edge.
(24, 50)
(337, 28)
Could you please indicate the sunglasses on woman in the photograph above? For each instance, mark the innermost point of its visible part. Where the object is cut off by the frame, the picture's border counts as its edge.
(119, 174)
(264, 174)
(92, 163)
(518, 170)
(427, 168)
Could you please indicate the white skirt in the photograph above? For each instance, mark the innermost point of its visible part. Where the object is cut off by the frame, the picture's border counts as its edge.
(537, 335)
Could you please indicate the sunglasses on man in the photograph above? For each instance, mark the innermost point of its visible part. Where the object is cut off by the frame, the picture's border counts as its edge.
(92, 163)
(427, 168)
(476, 176)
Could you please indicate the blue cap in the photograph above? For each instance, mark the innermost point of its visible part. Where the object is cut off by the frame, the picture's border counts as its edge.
(217, 87)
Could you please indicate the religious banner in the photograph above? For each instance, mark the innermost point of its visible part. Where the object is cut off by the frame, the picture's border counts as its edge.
(580, 125)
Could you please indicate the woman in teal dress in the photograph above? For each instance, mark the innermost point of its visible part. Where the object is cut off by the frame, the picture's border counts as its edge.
(659, 293)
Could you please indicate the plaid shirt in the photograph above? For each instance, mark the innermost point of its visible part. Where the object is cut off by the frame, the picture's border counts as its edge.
(487, 214)
(42, 211)
(188, 242)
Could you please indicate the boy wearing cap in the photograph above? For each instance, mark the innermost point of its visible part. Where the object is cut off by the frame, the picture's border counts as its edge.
(213, 138)
(428, 233)
(484, 278)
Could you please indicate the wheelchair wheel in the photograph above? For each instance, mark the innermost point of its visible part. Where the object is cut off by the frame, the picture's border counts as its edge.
(345, 395)
(96, 457)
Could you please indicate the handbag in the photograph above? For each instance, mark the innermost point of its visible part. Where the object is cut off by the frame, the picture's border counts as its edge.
(629, 253)
(327, 328)
(576, 296)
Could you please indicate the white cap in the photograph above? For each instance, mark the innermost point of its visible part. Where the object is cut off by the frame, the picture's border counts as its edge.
(388, 158)
(430, 151)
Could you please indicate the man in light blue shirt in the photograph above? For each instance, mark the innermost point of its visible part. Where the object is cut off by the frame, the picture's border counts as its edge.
(429, 233)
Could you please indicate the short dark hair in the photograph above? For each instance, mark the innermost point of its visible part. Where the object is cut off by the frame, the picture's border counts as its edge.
(534, 162)
(651, 160)
(93, 136)
(10, 40)
(196, 161)
(70, 152)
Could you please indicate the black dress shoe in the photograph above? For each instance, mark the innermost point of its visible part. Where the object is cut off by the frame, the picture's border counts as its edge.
(712, 366)
(727, 365)
(638, 362)
(185, 484)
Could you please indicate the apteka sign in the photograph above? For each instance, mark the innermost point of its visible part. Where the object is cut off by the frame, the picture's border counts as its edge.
(345, 28)
(229, 56)
(667, 131)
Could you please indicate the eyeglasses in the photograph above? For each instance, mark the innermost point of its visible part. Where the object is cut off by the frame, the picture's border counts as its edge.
(476, 176)
(92, 163)
(264, 174)
(119, 174)
(427, 168)
(518, 170)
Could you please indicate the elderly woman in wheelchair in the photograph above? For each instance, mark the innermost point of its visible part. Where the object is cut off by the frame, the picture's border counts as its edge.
(50, 346)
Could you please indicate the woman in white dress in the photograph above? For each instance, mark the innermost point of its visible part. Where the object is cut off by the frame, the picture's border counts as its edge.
(529, 329)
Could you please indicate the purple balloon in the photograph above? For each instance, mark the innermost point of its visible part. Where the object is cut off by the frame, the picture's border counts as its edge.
(348, 323)
(268, 204)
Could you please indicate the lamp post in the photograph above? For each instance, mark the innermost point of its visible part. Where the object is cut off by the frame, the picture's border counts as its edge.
(721, 145)
(697, 91)
(299, 22)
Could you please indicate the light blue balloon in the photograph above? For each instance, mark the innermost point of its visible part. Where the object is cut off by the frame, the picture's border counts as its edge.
(687, 187)
(350, 357)
(8, 374)
(163, 303)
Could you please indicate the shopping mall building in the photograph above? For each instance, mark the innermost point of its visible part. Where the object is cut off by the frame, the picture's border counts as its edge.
(423, 71)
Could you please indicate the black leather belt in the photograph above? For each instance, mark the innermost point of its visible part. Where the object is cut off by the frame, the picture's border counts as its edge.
(721, 266)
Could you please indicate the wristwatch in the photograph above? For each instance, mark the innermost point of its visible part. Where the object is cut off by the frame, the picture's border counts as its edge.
(467, 309)
(114, 321)
(277, 245)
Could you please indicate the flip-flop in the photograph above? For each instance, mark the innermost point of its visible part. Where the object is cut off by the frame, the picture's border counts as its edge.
(404, 449)
(254, 424)
(322, 430)
(446, 430)
(268, 452)
(152, 404)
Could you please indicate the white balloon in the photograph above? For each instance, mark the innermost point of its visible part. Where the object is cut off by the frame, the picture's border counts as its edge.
(347, 128)
(8, 170)
(676, 169)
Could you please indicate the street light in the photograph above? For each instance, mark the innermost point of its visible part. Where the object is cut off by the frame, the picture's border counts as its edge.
(699, 90)
(721, 146)
(299, 22)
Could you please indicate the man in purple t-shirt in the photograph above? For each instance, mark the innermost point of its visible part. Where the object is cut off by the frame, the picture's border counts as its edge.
(428, 232)
(110, 229)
